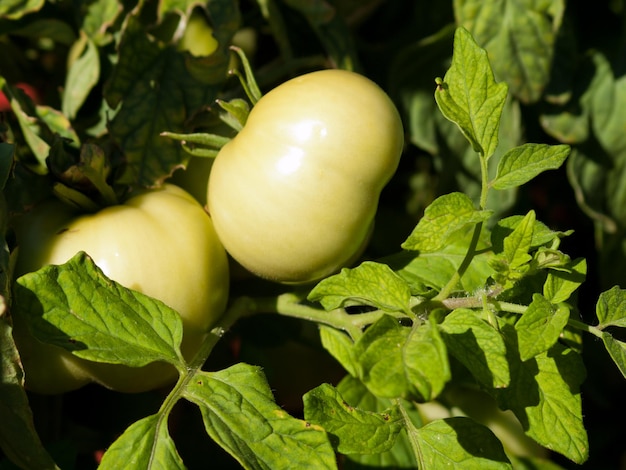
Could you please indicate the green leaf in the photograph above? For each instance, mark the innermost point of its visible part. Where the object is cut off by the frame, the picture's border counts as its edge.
(544, 394)
(514, 262)
(352, 430)
(18, 438)
(370, 283)
(436, 268)
(460, 443)
(401, 454)
(443, 218)
(469, 95)
(478, 346)
(98, 17)
(398, 361)
(240, 414)
(561, 284)
(611, 308)
(520, 37)
(617, 351)
(540, 326)
(331, 30)
(76, 307)
(542, 235)
(341, 347)
(82, 76)
(523, 163)
(158, 88)
(15, 9)
(145, 444)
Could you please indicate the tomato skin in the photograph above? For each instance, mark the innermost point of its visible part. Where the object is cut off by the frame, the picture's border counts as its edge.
(161, 243)
(293, 196)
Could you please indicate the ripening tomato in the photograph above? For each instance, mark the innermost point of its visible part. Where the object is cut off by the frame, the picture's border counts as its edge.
(293, 196)
(160, 242)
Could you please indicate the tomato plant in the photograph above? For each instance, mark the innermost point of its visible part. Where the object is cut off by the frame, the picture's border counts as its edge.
(160, 243)
(325, 139)
(458, 305)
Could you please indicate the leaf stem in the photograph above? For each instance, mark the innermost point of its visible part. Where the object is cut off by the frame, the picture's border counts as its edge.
(411, 432)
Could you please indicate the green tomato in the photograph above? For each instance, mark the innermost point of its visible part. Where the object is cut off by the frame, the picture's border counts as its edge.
(293, 196)
(161, 243)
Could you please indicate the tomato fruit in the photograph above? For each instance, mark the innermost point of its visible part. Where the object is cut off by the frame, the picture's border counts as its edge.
(160, 242)
(198, 37)
(293, 196)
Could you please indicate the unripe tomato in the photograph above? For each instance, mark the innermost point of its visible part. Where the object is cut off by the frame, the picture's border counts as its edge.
(293, 196)
(161, 243)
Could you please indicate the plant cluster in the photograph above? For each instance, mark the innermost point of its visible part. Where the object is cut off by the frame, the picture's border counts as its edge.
(377, 219)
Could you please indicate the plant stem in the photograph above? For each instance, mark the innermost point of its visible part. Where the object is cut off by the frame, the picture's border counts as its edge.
(411, 432)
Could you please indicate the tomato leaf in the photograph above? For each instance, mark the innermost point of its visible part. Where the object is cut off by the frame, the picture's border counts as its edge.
(460, 442)
(398, 361)
(544, 394)
(617, 351)
(401, 454)
(542, 235)
(523, 163)
(146, 444)
(540, 326)
(370, 283)
(561, 284)
(18, 438)
(611, 308)
(478, 346)
(351, 430)
(82, 76)
(15, 9)
(331, 30)
(470, 97)
(443, 218)
(240, 414)
(75, 306)
(341, 347)
(157, 88)
(434, 269)
(520, 39)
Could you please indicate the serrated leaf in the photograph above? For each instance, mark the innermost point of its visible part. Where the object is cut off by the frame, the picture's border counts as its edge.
(401, 454)
(146, 444)
(352, 430)
(523, 163)
(460, 443)
(82, 76)
(240, 414)
(398, 361)
(519, 36)
(544, 394)
(518, 243)
(341, 347)
(157, 88)
(478, 346)
(540, 326)
(369, 283)
(436, 268)
(18, 438)
(561, 284)
(542, 234)
(470, 97)
(443, 218)
(76, 307)
(617, 351)
(611, 308)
